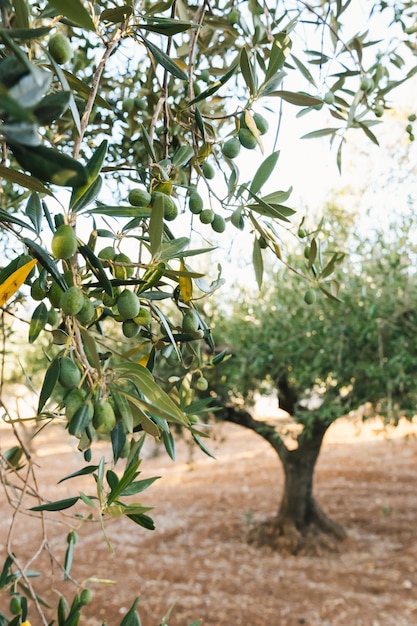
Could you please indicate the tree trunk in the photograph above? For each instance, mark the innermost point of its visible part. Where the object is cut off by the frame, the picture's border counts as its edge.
(300, 523)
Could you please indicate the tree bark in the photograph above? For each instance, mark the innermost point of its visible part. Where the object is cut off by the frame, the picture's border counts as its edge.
(299, 515)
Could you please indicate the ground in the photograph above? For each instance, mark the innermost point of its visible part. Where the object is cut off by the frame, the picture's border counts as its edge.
(198, 557)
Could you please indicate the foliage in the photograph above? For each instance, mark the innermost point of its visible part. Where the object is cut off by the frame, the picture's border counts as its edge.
(335, 356)
(112, 120)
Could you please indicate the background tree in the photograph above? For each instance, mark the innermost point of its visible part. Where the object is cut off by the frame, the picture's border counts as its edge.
(151, 103)
(323, 358)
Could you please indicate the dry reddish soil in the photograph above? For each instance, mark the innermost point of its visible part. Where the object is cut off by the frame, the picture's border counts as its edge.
(198, 557)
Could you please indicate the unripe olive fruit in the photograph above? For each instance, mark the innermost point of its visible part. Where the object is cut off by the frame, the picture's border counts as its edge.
(69, 373)
(205, 76)
(128, 305)
(130, 329)
(64, 242)
(247, 139)
(60, 48)
(218, 224)
(262, 242)
(53, 317)
(207, 216)
(170, 208)
(190, 322)
(37, 291)
(366, 84)
(233, 17)
(144, 318)
(55, 294)
(15, 605)
(139, 197)
(104, 419)
(87, 311)
(85, 597)
(208, 170)
(72, 301)
(231, 148)
(128, 104)
(379, 110)
(201, 383)
(329, 97)
(106, 254)
(195, 203)
(122, 272)
(310, 296)
(261, 123)
(73, 401)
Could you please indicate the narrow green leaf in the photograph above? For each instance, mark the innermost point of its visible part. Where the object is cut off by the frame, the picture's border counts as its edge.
(46, 261)
(156, 225)
(313, 253)
(97, 268)
(202, 446)
(7, 217)
(329, 268)
(264, 172)
(93, 168)
(50, 165)
(38, 321)
(28, 33)
(247, 72)
(167, 26)
(257, 261)
(173, 249)
(83, 89)
(169, 443)
(117, 15)
(49, 382)
(298, 98)
(146, 522)
(79, 421)
(131, 618)
(123, 409)
(112, 479)
(87, 500)
(21, 14)
(118, 440)
(52, 106)
(121, 211)
(90, 348)
(69, 554)
(199, 120)
(89, 469)
(28, 182)
(66, 87)
(216, 85)
(148, 144)
(128, 477)
(369, 133)
(152, 391)
(320, 133)
(164, 60)
(281, 48)
(74, 11)
(58, 505)
(183, 156)
(304, 70)
(34, 211)
(138, 486)
(88, 196)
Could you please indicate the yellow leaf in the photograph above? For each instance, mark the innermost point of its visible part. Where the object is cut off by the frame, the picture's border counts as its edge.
(12, 284)
(26, 623)
(186, 285)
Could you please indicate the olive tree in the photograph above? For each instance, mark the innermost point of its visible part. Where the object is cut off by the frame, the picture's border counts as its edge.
(122, 129)
(324, 358)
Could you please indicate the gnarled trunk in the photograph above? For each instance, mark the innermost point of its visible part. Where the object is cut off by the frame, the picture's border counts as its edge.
(299, 516)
